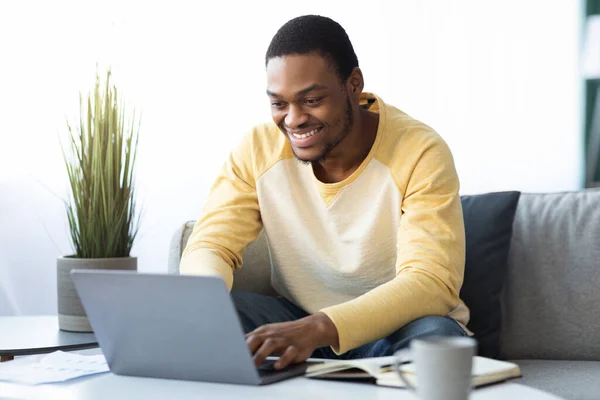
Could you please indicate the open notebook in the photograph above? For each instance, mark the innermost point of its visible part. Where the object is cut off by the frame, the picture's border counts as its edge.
(381, 370)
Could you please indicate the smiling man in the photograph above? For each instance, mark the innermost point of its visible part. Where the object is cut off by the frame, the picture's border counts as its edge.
(359, 203)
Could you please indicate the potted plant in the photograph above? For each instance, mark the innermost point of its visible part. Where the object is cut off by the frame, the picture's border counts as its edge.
(101, 210)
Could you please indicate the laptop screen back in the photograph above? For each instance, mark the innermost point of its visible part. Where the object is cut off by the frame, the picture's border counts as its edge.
(166, 326)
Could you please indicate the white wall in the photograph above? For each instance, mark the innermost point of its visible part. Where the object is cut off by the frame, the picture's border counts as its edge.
(498, 79)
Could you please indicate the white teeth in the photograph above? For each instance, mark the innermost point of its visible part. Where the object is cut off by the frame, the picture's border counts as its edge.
(305, 135)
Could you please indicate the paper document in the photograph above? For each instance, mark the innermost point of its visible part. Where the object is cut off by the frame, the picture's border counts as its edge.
(54, 367)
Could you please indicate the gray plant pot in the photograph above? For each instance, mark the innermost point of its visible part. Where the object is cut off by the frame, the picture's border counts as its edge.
(71, 315)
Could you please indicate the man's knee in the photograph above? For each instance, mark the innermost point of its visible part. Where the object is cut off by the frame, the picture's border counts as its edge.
(422, 327)
(434, 325)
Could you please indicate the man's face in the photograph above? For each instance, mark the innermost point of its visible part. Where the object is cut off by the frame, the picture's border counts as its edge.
(309, 104)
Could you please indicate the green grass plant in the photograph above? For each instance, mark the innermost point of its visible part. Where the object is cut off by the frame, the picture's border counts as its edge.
(100, 159)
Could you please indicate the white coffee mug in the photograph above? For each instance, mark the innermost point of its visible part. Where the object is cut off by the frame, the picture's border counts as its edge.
(443, 367)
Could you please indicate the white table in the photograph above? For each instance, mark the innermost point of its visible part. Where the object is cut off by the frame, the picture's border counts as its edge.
(110, 386)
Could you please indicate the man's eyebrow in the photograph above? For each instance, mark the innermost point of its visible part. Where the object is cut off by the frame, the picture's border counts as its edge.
(273, 94)
(302, 92)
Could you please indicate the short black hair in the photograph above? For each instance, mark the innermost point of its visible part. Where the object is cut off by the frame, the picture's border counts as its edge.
(314, 33)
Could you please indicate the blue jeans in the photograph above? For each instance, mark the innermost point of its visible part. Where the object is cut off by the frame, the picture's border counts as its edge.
(255, 310)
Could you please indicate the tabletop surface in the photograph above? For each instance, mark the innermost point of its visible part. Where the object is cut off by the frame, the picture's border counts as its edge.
(39, 334)
(110, 386)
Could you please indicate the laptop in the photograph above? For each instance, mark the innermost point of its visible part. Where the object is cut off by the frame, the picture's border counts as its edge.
(171, 326)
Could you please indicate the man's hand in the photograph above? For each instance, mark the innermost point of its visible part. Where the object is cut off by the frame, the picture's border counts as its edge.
(293, 341)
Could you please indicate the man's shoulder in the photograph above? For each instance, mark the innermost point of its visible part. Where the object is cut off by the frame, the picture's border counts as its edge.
(412, 150)
(404, 137)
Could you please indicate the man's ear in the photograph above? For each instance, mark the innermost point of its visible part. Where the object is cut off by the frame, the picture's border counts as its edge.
(355, 83)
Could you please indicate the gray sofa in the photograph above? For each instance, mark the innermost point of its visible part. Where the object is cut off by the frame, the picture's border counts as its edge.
(550, 299)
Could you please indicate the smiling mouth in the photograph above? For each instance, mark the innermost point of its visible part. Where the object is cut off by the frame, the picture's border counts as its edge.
(305, 135)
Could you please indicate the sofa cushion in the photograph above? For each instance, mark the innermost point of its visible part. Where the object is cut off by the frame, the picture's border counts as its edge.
(551, 299)
(488, 228)
(568, 379)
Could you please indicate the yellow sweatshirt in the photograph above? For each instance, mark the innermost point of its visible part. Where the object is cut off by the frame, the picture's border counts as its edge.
(373, 252)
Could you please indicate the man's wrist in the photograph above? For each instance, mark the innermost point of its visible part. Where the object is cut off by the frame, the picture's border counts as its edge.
(326, 330)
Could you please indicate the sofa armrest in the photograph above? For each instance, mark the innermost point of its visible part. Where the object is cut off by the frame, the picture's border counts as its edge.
(255, 274)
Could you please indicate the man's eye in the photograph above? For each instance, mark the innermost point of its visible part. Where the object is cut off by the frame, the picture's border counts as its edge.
(277, 104)
(312, 102)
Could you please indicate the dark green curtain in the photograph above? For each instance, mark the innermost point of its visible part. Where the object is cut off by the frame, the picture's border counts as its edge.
(592, 7)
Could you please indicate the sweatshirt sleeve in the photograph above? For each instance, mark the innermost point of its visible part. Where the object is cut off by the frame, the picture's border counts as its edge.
(229, 221)
(430, 252)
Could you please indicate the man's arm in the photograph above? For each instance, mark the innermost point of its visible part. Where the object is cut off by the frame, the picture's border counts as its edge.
(430, 255)
(229, 221)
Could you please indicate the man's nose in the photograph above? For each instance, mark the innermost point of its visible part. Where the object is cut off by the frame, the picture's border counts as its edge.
(295, 116)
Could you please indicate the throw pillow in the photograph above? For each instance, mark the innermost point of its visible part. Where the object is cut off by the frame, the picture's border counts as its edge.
(488, 227)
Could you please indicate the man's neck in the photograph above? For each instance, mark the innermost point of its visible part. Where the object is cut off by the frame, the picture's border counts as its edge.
(351, 152)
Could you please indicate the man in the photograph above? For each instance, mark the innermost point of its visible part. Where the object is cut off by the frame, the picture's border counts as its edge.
(359, 203)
